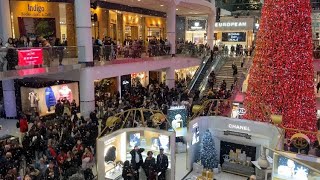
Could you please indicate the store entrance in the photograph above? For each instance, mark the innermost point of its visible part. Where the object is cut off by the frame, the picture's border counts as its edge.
(32, 27)
(113, 31)
(134, 32)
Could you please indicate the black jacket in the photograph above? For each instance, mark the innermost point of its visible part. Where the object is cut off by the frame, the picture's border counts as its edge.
(162, 164)
(133, 158)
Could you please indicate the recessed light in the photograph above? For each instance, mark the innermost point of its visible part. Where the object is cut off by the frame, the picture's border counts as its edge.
(177, 9)
(161, 5)
(139, 0)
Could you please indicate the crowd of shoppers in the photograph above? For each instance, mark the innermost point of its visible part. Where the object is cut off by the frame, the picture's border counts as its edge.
(109, 49)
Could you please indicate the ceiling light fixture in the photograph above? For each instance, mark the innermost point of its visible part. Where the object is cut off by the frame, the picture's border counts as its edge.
(177, 9)
(161, 5)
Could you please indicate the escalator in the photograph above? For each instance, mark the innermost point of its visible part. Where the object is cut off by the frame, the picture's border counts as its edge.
(207, 66)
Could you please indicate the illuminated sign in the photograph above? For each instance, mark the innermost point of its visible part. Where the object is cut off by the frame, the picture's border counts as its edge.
(231, 24)
(239, 127)
(36, 8)
(242, 111)
(196, 26)
(30, 57)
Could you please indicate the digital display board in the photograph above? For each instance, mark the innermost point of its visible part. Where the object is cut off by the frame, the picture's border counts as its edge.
(234, 36)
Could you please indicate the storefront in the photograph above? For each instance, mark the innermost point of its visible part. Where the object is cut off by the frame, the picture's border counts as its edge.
(315, 27)
(42, 95)
(132, 26)
(155, 27)
(196, 30)
(232, 31)
(46, 19)
(115, 148)
(140, 78)
(236, 143)
(186, 73)
(105, 88)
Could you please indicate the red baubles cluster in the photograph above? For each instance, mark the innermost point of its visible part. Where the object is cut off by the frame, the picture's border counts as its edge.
(281, 76)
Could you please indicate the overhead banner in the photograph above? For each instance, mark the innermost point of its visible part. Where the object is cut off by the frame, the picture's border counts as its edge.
(30, 57)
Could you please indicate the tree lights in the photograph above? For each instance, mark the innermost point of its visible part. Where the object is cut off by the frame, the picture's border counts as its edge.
(281, 76)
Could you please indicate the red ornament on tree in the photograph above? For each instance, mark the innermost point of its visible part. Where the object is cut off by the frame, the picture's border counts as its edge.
(281, 76)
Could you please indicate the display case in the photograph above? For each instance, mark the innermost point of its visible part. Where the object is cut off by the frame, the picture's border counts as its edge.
(114, 149)
(285, 168)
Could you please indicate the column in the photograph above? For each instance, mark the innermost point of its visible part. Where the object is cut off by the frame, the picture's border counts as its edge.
(83, 29)
(170, 78)
(87, 99)
(9, 98)
(120, 28)
(210, 29)
(119, 84)
(5, 21)
(171, 27)
(71, 31)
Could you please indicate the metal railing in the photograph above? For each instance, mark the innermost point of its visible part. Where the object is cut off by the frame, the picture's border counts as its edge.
(219, 61)
(35, 57)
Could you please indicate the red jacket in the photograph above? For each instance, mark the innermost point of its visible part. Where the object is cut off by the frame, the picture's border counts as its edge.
(23, 125)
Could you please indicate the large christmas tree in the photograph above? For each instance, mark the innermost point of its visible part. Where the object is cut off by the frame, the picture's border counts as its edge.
(208, 152)
(282, 73)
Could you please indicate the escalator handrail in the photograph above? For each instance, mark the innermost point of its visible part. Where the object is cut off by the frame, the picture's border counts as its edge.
(198, 72)
(218, 62)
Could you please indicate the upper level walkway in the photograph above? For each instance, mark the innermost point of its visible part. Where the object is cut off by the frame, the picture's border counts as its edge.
(30, 62)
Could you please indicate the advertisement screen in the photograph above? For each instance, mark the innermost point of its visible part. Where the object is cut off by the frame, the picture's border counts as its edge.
(134, 140)
(234, 37)
(195, 134)
(30, 57)
(177, 116)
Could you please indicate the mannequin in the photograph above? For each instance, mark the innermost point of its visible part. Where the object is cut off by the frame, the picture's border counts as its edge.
(65, 92)
(34, 99)
(50, 98)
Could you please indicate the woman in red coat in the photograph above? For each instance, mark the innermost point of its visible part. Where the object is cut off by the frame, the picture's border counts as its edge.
(23, 125)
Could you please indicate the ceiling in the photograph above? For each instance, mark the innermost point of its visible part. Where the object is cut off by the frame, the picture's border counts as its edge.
(162, 6)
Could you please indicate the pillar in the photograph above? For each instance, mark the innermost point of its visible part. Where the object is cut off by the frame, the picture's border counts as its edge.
(5, 20)
(170, 78)
(120, 28)
(171, 27)
(210, 29)
(83, 29)
(119, 85)
(9, 98)
(71, 32)
(87, 99)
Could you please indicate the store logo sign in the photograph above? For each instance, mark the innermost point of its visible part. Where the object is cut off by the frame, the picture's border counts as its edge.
(239, 127)
(196, 26)
(231, 24)
(36, 8)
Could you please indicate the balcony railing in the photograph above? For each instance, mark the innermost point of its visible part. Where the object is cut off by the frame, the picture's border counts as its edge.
(43, 57)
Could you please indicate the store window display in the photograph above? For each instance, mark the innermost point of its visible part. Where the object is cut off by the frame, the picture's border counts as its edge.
(134, 145)
(50, 98)
(65, 93)
(44, 100)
